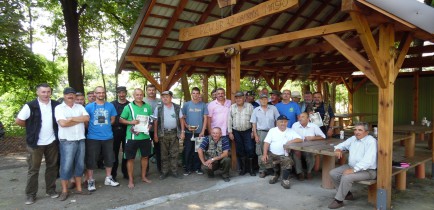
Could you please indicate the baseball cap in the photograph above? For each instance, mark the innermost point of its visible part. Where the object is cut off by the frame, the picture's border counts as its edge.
(167, 92)
(276, 92)
(263, 96)
(239, 93)
(121, 88)
(282, 117)
(68, 90)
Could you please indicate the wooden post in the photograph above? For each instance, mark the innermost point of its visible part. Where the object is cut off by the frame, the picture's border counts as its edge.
(416, 80)
(163, 74)
(185, 88)
(235, 69)
(205, 89)
(351, 99)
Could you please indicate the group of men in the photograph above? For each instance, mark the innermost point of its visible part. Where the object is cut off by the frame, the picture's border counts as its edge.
(259, 129)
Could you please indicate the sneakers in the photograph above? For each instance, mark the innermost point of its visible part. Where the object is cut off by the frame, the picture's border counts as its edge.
(91, 185)
(186, 173)
(301, 176)
(109, 181)
(226, 179)
(273, 179)
(200, 172)
(53, 195)
(63, 196)
(30, 200)
(285, 184)
(349, 196)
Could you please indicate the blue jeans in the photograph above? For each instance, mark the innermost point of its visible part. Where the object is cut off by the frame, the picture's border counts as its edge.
(244, 143)
(71, 159)
(192, 161)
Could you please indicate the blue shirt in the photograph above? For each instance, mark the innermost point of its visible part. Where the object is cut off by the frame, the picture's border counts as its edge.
(225, 143)
(100, 127)
(193, 113)
(291, 110)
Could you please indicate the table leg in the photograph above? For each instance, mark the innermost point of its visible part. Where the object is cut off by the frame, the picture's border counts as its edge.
(409, 145)
(328, 163)
(401, 180)
(341, 122)
(317, 162)
(420, 171)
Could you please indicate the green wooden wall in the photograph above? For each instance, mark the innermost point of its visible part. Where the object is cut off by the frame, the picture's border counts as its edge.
(366, 99)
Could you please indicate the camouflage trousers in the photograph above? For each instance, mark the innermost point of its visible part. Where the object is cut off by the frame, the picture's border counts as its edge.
(169, 146)
(285, 162)
(259, 150)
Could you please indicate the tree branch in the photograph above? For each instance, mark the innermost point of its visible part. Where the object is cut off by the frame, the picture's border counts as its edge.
(83, 7)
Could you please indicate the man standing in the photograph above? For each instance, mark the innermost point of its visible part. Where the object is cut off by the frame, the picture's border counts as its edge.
(250, 98)
(71, 118)
(41, 137)
(240, 130)
(218, 111)
(100, 137)
(153, 101)
(167, 129)
(288, 108)
(308, 132)
(307, 102)
(134, 114)
(195, 113)
(274, 97)
(275, 154)
(91, 97)
(214, 154)
(263, 119)
(119, 131)
(264, 91)
(328, 117)
(362, 163)
(79, 98)
(296, 97)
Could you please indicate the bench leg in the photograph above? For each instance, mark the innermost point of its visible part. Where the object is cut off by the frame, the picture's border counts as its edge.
(372, 194)
(401, 181)
(420, 171)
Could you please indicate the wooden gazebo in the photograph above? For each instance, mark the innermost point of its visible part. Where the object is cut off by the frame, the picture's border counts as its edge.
(280, 40)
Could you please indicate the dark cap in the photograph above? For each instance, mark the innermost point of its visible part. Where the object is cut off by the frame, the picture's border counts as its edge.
(263, 96)
(121, 88)
(239, 93)
(250, 93)
(69, 90)
(282, 117)
(167, 92)
(276, 92)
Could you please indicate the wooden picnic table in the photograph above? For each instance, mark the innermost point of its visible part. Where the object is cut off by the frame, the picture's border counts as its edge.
(351, 115)
(322, 147)
(412, 130)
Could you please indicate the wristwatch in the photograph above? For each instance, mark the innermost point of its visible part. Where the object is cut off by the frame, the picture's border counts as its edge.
(212, 159)
(354, 170)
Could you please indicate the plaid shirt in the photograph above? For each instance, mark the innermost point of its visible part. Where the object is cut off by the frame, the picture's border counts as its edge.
(240, 120)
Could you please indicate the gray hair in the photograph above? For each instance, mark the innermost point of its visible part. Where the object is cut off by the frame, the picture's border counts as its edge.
(365, 125)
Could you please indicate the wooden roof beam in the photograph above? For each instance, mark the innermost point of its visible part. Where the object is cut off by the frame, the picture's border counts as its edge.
(404, 46)
(147, 75)
(296, 35)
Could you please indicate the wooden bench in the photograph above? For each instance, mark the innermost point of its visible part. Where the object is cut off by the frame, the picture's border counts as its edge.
(417, 162)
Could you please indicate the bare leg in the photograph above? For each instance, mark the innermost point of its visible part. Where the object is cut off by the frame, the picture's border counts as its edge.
(64, 186)
(130, 169)
(144, 162)
(78, 183)
(108, 171)
(89, 174)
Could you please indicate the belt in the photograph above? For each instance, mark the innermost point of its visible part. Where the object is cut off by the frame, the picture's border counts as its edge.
(169, 130)
(264, 130)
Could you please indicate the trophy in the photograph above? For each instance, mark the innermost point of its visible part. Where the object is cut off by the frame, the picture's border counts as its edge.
(192, 128)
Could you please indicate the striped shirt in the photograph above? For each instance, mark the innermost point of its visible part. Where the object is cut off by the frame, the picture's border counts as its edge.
(240, 119)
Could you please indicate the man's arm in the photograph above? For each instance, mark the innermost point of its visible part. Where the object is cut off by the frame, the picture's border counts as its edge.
(205, 122)
(255, 133)
(231, 135)
(265, 153)
(20, 122)
(71, 121)
(112, 119)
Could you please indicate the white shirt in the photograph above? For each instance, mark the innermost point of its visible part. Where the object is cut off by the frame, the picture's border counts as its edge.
(72, 133)
(46, 134)
(310, 130)
(169, 116)
(277, 138)
(363, 152)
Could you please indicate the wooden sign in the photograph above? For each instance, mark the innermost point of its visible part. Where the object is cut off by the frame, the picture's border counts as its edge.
(248, 16)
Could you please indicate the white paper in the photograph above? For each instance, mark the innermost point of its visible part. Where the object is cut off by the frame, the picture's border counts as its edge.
(143, 124)
(316, 119)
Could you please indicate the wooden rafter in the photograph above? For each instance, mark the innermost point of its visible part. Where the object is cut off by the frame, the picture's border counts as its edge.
(177, 76)
(297, 35)
(267, 79)
(359, 61)
(170, 25)
(360, 84)
(142, 24)
(147, 75)
(350, 90)
(403, 48)
(172, 73)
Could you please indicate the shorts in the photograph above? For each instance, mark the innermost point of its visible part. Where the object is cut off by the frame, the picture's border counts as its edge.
(93, 150)
(131, 147)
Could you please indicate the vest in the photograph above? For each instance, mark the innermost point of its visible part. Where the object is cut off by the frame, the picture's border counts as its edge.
(119, 108)
(214, 149)
(34, 123)
(160, 119)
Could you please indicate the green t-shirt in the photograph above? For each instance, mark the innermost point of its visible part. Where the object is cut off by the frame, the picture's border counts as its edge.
(137, 112)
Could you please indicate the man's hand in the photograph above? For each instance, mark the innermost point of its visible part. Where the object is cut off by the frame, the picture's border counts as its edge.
(264, 158)
(208, 163)
(231, 136)
(182, 136)
(348, 171)
(134, 122)
(338, 153)
(201, 134)
(330, 133)
(155, 138)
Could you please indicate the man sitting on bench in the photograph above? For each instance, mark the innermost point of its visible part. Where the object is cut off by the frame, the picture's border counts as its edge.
(362, 163)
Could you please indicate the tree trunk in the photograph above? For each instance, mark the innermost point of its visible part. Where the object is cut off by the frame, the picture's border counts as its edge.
(185, 88)
(71, 16)
(100, 63)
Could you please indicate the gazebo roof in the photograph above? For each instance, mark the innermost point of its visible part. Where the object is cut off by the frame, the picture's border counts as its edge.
(155, 38)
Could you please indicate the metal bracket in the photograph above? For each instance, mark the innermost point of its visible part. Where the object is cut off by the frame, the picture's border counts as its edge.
(381, 199)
